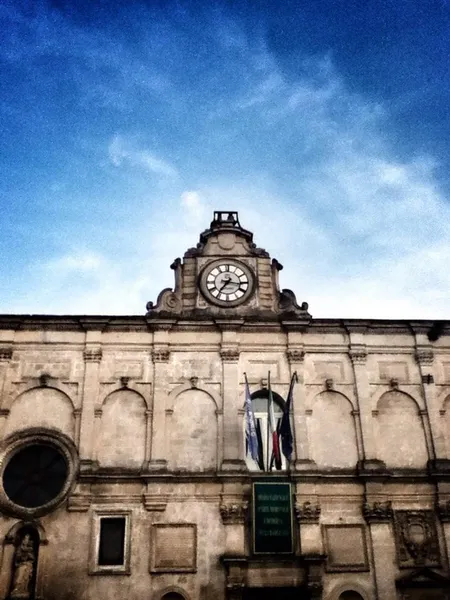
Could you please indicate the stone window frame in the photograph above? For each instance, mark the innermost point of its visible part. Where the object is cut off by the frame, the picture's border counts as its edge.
(28, 437)
(97, 516)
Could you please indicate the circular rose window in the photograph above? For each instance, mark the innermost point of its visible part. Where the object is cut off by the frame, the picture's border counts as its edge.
(35, 475)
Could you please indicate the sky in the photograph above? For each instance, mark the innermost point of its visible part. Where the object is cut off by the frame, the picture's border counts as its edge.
(325, 124)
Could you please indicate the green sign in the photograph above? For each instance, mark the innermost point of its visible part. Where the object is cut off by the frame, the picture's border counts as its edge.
(272, 518)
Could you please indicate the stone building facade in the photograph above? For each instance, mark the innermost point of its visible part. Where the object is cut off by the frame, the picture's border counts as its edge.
(123, 467)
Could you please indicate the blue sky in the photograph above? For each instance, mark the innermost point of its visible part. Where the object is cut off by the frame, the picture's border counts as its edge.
(326, 124)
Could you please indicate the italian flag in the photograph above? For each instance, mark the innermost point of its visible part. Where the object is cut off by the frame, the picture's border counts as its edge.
(276, 456)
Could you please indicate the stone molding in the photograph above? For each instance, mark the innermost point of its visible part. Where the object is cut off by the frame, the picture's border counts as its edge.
(5, 353)
(233, 513)
(307, 512)
(154, 502)
(378, 512)
(424, 356)
(92, 354)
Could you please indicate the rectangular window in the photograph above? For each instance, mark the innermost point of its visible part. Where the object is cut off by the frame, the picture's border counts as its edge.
(111, 547)
(110, 542)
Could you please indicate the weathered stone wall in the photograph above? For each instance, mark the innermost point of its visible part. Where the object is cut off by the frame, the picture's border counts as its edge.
(156, 415)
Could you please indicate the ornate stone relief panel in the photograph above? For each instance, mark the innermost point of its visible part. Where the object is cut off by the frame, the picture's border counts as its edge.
(416, 539)
(174, 548)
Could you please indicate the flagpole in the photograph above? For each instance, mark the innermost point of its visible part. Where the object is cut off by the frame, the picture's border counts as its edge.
(268, 418)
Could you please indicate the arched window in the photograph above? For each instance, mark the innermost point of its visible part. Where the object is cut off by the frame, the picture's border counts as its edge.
(172, 596)
(260, 402)
(350, 595)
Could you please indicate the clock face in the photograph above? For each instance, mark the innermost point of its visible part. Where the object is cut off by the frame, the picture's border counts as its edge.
(227, 283)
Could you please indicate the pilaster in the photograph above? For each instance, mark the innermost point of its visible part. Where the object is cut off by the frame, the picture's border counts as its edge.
(296, 356)
(233, 445)
(92, 357)
(378, 515)
(160, 357)
(425, 358)
(358, 356)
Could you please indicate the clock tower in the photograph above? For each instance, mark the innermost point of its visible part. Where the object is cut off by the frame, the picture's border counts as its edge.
(226, 274)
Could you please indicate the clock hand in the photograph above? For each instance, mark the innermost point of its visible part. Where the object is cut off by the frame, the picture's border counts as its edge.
(227, 281)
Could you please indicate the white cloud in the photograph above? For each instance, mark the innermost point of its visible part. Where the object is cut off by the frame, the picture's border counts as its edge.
(122, 152)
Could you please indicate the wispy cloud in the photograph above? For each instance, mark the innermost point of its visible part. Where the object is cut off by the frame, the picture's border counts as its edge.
(124, 152)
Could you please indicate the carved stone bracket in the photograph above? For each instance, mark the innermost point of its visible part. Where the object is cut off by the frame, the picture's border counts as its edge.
(329, 384)
(229, 354)
(5, 353)
(92, 354)
(295, 355)
(307, 512)
(358, 355)
(378, 512)
(424, 356)
(234, 513)
(160, 355)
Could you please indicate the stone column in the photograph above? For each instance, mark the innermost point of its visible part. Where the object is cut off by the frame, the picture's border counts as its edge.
(233, 437)
(358, 356)
(160, 357)
(92, 357)
(379, 515)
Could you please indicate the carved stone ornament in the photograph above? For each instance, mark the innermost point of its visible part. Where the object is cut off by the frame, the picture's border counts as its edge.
(424, 356)
(416, 538)
(287, 302)
(307, 512)
(5, 353)
(358, 355)
(378, 512)
(443, 510)
(229, 354)
(160, 355)
(295, 355)
(329, 384)
(92, 354)
(168, 301)
(233, 513)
